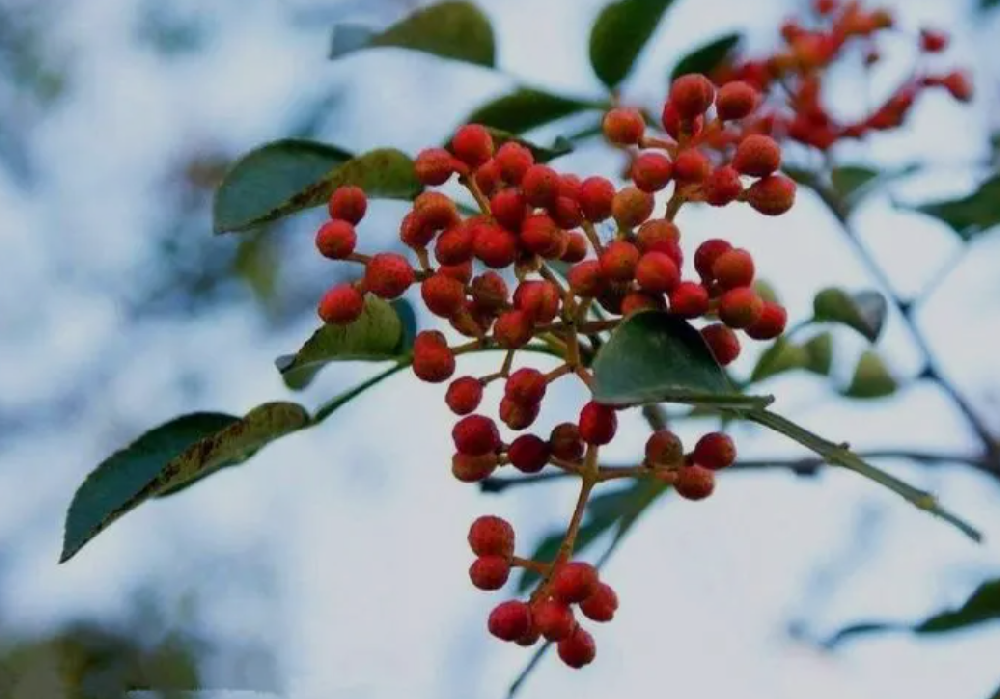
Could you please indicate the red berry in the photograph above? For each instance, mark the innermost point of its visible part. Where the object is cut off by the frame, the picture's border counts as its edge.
(598, 423)
(933, 41)
(509, 208)
(436, 210)
(565, 442)
(601, 604)
(623, 126)
(475, 435)
(529, 453)
(691, 167)
(733, 268)
(426, 339)
(657, 273)
(489, 291)
(464, 394)
(541, 235)
(757, 155)
(736, 100)
(336, 239)
(706, 254)
(651, 172)
(692, 95)
(490, 535)
(596, 198)
(574, 582)
(631, 206)
(566, 212)
(472, 144)
(473, 469)
(526, 386)
(569, 186)
(770, 324)
(619, 261)
(494, 246)
(513, 329)
(414, 232)
(434, 166)
(674, 124)
(514, 160)
(664, 448)
(554, 619)
(388, 275)
(489, 572)
(772, 195)
(538, 299)
(342, 304)
(578, 650)
(529, 637)
(348, 203)
(740, 307)
(689, 300)
(585, 278)
(488, 177)
(510, 621)
(634, 302)
(659, 234)
(443, 296)
(959, 85)
(433, 363)
(461, 272)
(540, 185)
(714, 450)
(722, 341)
(695, 482)
(576, 248)
(518, 416)
(454, 246)
(723, 186)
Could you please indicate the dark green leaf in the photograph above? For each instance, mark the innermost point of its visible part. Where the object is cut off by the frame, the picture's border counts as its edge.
(850, 182)
(654, 357)
(819, 354)
(243, 202)
(871, 378)
(707, 58)
(378, 335)
(619, 35)
(454, 30)
(168, 456)
(525, 109)
(970, 215)
(988, 4)
(780, 357)
(268, 177)
(864, 311)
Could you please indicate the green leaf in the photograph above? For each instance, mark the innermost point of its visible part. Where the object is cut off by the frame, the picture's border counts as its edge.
(819, 354)
(851, 182)
(168, 456)
(260, 189)
(970, 215)
(619, 35)
(981, 607)
(654, 357)
(525, 109)
(988, 4)
(864, 311)
(871, 378)
(378, 335)
(780, 357)
(707, 58)
(268, 177)
(455, 30)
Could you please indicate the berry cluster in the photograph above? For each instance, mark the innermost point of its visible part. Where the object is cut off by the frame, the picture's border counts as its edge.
(567, 282)
(795, 75)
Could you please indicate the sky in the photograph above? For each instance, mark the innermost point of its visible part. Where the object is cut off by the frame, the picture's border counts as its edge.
(345, 549)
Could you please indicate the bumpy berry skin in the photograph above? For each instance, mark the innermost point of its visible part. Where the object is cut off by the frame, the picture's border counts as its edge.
(623, 126)
(336, 239)
(489, 572)
(770, 324)
(574, 582)
(436, 210)
(651, 172)
(631, 206)
(715, 450)
(695, 482)
(723, 342)
(513, 329)
(490, 535)
(348, 203)
(565, 442)
(706, 254)
(601, 604)
(692, 95)
(772, 196)
(723, 186)
(585, 278)
(576, 248)
(414, 232)
(757, 155)
(579, 650)
(566, 212)
(509, 208)
(434, 166)
(635, 302)
(598, 423)
(691, 167)
(454, 246)
(554, 619)
(596, 198)
(509, 621)
(529, 453)
(740, 307)
(388, 275)
(538, 300)
(540, 185)
(664, 448)
(657, 273)
(340, 305)
(472, 144)
(733, 268)
(619, 260)
(658, 234)
(475, 435)
(433, 363)
(674, 124)
(494, 246)
(443, 295)
(541, 235)
(689, 300)
(473, 469)
(514, 160)
(736, 100)
(518, 416)
(464, 395)
(525, 386)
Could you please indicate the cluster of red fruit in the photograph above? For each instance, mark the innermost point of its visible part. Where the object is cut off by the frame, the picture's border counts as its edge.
(796, 71)
(571, 282)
